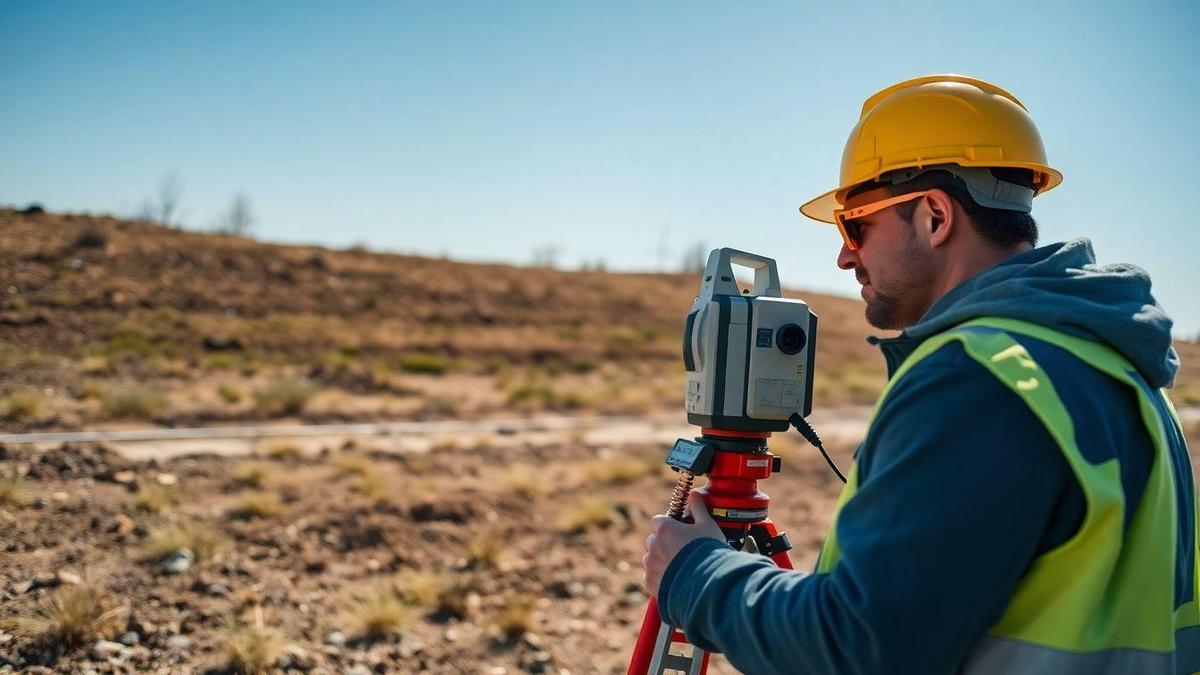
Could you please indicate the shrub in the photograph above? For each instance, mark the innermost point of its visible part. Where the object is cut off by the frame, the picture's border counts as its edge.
(380, 614)
(133, 402)
(253, 505)
(515, 617)
(484, 552)
(251, 474)
(284, 451)
(229, 393)
(154, 498)
(524, 480)
(25, 405)
(72, 616)
(285, 396)
(587, 514)
(202, 539)
(251, 650)
(424, 364)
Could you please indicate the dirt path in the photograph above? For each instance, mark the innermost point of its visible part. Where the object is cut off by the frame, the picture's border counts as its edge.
(840, 426)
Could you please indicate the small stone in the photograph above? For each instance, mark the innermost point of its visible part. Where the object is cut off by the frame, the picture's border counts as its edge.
(533, 640)
(335, 638)
(179, 642)
(68, 577)
(104, 650)
(217, 589)
(45, 580)
(122, 525)
(130, 639)
(167, 479)
(125, 477)
(451, 635)
(59, 496)
(360, 669)
(179, 562)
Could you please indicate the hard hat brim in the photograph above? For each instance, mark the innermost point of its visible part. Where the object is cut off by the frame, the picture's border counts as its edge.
(822, 207)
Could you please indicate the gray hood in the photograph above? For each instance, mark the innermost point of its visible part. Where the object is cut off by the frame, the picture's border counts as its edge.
(1060, 286)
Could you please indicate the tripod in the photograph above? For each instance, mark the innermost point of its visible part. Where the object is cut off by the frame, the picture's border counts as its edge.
(734, 462)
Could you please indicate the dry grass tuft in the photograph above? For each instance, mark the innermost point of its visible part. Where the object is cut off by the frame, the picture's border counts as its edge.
(285, 396)
(72, 616)
(229, 393)
(515, 618)
(251, 474)
(202, 539)
(251, 505)
(525, 482)
(154, 498)
(615, 471)
(132, 402)
(588, 513)
(485, 552)
(15, 493)
(252, 650)
(25, 405)
(373, 487)
(352, 465)
(284, 451)
(440, 593)
(380, 614)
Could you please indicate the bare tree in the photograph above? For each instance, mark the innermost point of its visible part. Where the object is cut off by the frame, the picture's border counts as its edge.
(164, 210)
(545, 256)
(239, 219)
(694, 259)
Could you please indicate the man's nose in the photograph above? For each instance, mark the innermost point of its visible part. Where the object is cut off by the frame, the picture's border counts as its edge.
(847, 259)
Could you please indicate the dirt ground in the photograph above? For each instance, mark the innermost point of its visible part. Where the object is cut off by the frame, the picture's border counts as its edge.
(506, 557)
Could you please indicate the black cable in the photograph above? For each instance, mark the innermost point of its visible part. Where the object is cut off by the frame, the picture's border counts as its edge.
(811, 436)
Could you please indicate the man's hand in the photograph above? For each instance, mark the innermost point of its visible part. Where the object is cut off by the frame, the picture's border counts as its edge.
(668, 536)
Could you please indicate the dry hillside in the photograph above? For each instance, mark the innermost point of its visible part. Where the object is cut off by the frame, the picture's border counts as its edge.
(104, 319)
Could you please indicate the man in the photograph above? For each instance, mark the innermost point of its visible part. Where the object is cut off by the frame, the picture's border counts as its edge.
(1023, 500)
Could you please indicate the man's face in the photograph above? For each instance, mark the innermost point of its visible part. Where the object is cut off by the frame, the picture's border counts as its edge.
(895, 269)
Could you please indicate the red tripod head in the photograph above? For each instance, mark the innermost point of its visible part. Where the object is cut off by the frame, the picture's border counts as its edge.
(734, 462)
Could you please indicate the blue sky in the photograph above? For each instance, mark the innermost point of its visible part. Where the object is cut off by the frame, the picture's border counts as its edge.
(610, 131)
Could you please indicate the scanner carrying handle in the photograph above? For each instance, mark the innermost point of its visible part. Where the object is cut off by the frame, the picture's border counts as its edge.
(719, 279)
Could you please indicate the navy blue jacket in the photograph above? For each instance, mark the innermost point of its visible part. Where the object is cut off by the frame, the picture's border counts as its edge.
(960, 487)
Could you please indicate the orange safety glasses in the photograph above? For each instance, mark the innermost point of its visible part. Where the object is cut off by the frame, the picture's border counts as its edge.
(852, 230)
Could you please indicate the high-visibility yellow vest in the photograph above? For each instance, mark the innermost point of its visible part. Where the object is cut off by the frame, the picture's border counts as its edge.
(1105, 600)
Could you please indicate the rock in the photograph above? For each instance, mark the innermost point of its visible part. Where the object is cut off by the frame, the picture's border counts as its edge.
(104, 650)
(217, 589)
(296, 658)
(360, 669)
(179, 642)
(533, 640)
(44, 580)
(68, 577)
(59, 496)
(335, 638)
(121, 525)
(130, 639)
(451, 635)
(218, 343)
(167, 479)
(124, 477)
(179, 562)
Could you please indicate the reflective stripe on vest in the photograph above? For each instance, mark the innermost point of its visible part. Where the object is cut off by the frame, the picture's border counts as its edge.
(1103, 601)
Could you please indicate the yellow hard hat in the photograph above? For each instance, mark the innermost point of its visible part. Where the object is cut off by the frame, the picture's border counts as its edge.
(937, 119)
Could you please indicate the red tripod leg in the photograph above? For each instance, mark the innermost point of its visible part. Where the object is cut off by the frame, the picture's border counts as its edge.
(643, 651)
(651, 654)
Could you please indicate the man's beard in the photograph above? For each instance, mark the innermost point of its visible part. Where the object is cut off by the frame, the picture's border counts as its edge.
(884, 312)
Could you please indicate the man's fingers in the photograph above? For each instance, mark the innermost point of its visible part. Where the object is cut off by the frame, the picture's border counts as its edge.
(699, 510)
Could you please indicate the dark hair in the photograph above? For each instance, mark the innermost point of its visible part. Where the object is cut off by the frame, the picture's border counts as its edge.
(1001, 227)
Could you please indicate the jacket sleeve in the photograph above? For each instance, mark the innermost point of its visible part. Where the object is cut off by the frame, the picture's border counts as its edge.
(960, 487)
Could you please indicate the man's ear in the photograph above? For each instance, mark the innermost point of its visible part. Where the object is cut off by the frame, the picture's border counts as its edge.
(937, 214)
